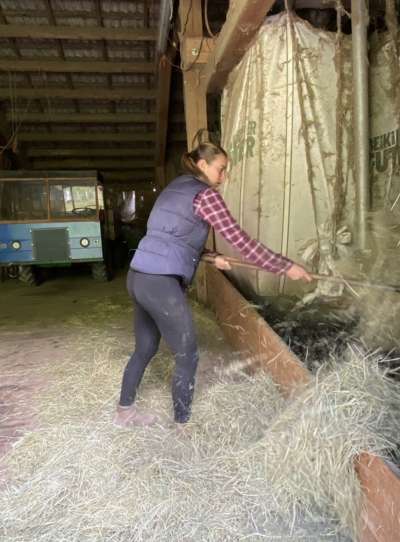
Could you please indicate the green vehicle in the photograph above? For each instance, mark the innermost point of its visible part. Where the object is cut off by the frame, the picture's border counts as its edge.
(50, 219)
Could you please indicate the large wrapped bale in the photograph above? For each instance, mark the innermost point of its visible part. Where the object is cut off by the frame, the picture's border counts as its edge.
(286, 123)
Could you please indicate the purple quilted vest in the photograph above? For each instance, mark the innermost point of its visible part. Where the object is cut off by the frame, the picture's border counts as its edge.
(175, 236)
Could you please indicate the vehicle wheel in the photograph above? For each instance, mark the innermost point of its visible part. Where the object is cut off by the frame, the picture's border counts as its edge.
(99, 272)
(26, 275)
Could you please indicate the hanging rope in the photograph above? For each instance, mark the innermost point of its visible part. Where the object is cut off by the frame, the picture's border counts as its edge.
(16, 122)
(211, 34)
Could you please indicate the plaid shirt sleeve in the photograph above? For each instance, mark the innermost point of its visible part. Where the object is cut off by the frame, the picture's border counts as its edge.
(210, 206)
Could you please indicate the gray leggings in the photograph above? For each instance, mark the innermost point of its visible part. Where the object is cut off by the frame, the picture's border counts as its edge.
(161, 309)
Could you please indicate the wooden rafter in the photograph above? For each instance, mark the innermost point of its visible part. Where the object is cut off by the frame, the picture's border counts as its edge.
(87, 136)
(243, 20)
(84, 93)
(76, 33)
(92, 164)
(124, 137)
(65, 152)
(82, 118)
(75, 66)
(135, 175)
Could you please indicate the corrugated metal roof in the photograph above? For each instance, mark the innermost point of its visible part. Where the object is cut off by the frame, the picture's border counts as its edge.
(39, 83)
(23, 5)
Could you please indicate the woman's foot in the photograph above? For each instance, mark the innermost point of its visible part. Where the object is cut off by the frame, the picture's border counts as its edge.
(130, 417)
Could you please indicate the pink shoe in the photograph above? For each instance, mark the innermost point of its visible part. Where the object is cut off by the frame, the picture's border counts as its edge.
(130, 417)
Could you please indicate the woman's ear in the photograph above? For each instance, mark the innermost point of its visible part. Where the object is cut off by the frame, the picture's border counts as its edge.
(202, 165)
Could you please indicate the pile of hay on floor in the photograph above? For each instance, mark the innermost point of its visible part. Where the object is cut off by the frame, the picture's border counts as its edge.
(80, 478)
(351, 407)
(249, 466)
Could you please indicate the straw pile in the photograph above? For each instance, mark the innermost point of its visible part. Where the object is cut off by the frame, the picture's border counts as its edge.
(79, 478)
(250, 466)
(309, 450)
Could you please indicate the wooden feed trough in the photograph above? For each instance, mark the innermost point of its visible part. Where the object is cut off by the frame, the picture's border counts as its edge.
(249, 334)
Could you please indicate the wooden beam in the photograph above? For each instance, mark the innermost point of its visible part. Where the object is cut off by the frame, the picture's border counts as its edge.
(92, 164)
(252, 337)
(191, 22)
(87, 136)
(196, 50)
(37, 11)
(38, 152)
(75, 66)
(164, 87)
(195, 104)
(82, 118)
(248, 332)
(136, 175)
(95, 93)
(381, 492)
(242, 23)
(35, 31)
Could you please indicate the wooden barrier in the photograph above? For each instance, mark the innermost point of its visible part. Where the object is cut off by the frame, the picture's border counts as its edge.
(248, 332)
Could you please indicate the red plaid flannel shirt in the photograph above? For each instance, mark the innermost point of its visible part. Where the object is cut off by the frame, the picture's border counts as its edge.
(210, 206)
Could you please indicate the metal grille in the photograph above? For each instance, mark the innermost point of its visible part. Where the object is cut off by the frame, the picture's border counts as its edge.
(51, 245)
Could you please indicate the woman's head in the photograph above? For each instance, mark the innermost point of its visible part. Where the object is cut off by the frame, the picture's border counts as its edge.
(208, 162)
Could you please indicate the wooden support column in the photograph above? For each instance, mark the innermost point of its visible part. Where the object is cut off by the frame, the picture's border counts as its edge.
(194, 91)
(195, 101)
(164, 88)
(243, 20)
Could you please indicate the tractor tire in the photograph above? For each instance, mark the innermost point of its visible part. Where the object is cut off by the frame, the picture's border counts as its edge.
(99, 272)
(27, 275)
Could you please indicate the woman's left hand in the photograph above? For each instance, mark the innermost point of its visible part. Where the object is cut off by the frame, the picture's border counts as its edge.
(221, 263)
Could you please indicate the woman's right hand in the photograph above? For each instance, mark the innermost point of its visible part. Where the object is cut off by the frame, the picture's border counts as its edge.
(296, 272)
(221, 263)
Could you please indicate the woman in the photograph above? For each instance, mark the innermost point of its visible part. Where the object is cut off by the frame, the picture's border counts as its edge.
(165, 263)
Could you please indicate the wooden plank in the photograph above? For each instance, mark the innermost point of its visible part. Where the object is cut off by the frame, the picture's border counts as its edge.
(197, 50)
(92, 164)
(243, 20)
(164, 87)
(177, 137)
(126, 152)
(190, 17)
(160, 176)
(381, 488)
(87, 136)
(258, 343)
(145, 176)
(86, 93)
(195, 105)
(76, 33)
(82, 118)
(194, 92)
(75, 66)
(248, 332)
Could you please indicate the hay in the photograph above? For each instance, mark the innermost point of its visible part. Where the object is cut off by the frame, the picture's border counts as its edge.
(317, 332)
(249, 466)
(79, 478)
(309, 451)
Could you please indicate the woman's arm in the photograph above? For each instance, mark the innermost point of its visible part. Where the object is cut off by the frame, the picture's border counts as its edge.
(210, 206)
